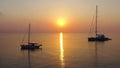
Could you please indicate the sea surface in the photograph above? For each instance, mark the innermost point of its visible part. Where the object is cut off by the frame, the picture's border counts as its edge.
(59, 50)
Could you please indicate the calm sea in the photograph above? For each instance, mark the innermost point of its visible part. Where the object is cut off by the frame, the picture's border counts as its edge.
(59, 50)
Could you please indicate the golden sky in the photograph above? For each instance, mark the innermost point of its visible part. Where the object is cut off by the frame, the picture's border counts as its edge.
(44, 15)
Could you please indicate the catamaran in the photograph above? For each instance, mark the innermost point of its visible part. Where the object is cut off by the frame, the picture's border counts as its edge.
(98, 37)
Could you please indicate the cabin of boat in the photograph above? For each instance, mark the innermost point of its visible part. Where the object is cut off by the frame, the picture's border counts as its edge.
(99, 37)
(30, 46)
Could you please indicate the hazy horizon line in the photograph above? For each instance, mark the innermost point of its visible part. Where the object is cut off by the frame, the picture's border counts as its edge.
(63, 32)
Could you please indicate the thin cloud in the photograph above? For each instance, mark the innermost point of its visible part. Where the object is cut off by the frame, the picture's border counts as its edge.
(1, 14)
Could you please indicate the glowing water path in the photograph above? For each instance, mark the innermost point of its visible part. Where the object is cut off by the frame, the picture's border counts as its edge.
(61, 50)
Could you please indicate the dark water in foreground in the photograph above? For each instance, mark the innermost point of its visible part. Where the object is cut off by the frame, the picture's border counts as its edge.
(60, 50)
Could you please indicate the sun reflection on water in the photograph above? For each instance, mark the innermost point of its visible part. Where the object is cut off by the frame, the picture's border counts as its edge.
(61, 50)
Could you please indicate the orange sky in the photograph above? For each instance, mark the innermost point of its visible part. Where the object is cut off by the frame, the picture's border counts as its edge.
(15, 15)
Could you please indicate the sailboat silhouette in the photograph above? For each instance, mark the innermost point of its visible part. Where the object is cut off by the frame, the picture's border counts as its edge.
(98, 37)
(30, 45)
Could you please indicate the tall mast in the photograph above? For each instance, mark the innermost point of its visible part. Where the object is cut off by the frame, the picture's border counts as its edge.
(96, 20)
(29, 34)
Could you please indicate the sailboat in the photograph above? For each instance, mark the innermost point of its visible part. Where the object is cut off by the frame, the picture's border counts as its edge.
(30, 45)
(98, 37)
